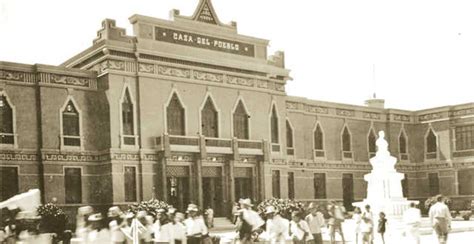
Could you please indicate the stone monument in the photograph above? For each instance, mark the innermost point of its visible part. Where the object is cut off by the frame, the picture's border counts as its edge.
(384, 186)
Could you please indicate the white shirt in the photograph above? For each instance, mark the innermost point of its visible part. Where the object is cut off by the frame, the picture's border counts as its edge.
(277, 228)
(178, 232)
(299, 229)
(412, 216)
(315, 222)
(116, 233)
(252, 218)
(440, 210)
(195, 226)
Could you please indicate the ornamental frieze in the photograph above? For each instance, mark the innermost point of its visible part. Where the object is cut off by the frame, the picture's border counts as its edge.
(401, 117)
(69, 80)
(235, 80)
(125, 156)
(71, 157)
(262, 84)
(316, 109)
(17, 76)
(291, 105)
(432, 116)
(369, 115)
(146, 68)
(207, 76)
(279, 87)
(345, 112)
(278, 162)
(12, 156)
(113, 65)
(171, 71)
(461, 112)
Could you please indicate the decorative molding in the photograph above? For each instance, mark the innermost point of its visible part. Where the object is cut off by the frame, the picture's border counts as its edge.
(278, 162)
(17, 76)
(432, 116)
(316, 109)
(370, 115)
(48, 78)
(69, 80)
(18, 156)
(172, 71)
(236, 80)
(291, 105)
(401, 117)
(345, 112)
(461, 112)
(208, 76)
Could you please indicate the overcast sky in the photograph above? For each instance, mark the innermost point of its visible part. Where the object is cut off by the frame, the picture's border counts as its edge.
(423, 51)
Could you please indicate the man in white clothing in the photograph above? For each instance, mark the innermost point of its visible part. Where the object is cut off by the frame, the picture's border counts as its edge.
(412, 220)
(315, 221)
(440, 218)
(277, 227)
(196, 229)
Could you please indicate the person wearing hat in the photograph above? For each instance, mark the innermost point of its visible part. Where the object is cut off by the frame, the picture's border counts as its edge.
(276, 227)
(146, 233)
(315, 221)
(82, 223)
(249, 221)
(196, 229)
(300, 232)
(178, 230)
(116, 222)
(98, 233)
(160, 231)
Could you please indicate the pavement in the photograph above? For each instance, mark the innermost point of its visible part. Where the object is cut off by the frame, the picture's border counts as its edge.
(462, 232)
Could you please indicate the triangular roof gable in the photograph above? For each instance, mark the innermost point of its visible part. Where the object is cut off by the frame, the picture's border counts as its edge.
(205, 13)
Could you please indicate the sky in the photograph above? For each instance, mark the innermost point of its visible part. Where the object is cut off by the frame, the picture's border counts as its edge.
(415, 54)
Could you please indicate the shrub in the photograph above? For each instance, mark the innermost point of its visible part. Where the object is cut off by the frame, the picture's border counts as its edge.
(150, 206)
(53, 219)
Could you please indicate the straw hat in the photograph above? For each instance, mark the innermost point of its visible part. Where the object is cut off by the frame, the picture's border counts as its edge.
(114, 212)
(270, 209)
(171, 210)
(85, 210)
(179, 215)
(192, 208)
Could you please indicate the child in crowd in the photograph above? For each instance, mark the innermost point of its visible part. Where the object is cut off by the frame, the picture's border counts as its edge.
(381, 227)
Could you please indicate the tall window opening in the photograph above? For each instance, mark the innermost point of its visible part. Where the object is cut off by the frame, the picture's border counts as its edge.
(128, 126)
(346, 140)
(431, 144)
(289, 135)
(318, 138)
(464, 137)
(274, 126)
(402, 141)
(241, 122)
(209, 117)
(291, 185)
(130, 181)
(319, 185)
(71, 125)
(175, 117)
(371, 141)
(8, 182)
(276, 183)
(433, 183)
(6, 121)
(73, 185)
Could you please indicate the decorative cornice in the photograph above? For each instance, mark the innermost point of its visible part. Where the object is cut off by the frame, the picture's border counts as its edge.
(17, 156)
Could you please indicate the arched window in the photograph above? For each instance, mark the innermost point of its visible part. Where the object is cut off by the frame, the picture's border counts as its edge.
(402, 142)
(6, 121)
(371, 141)
(209, 117)
(431, 144)
(346, 140)
(274, 126)
(175, 117)
(127, 115)
(241, 122)
(318, 138)
(71, 126)
(289, 135)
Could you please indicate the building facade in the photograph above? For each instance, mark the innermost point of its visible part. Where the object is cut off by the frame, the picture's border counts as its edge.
(188, 110)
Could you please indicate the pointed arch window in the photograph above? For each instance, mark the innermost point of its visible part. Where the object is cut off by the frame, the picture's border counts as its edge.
(289, 135)
(128, 120)
(71, 125)
(346, 140)
(371, 141)
(403, 145)
(6, 121)
(274, 126)
(241, 122)
(175, 117)
(431, 144)
(318, 138)
(210, 119)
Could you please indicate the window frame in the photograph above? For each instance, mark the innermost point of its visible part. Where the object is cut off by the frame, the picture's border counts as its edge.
(218, 115)
(318, 151)
(81, 171)
(71, 99)
(345, 152)
(247, 112)
(14, 134)
(428, 156)
(471, 137)
(290, 151)
(122, 135)
(136, 183)
(403, 156)
(371, 154)
(165, 112)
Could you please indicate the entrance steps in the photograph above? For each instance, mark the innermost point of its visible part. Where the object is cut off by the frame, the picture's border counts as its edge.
(222, 224)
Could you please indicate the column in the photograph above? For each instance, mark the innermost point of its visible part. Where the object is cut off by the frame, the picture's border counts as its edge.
(163, 166)
(198, 171)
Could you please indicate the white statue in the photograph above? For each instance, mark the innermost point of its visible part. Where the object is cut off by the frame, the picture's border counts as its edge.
(382, 160)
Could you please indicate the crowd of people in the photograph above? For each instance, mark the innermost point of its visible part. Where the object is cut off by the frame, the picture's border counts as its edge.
(170, 226)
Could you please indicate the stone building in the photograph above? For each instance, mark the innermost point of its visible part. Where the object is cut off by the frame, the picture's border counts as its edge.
(189, 110)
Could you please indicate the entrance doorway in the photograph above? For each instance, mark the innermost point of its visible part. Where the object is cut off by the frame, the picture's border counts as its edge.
(243, 188)
(213, 195)
(178, 192)
(348, 191)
